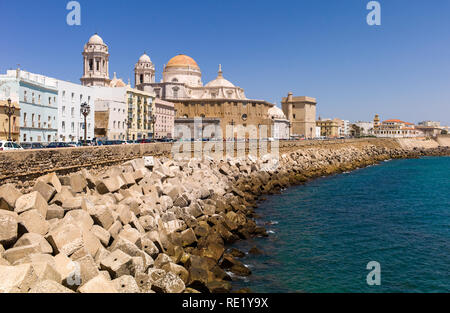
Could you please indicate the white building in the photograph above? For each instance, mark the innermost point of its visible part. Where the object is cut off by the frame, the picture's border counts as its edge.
(345, 128)
(366, 128)
(111, 108)
(280, 126)
(70, 119)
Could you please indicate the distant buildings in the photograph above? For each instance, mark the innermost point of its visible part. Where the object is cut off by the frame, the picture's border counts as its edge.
(301, 113)
(164, 112)
(362, 129)
(395, 128)
(9, 89)
(328, 128)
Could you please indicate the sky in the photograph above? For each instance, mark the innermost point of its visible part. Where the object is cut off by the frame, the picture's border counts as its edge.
(317, 48)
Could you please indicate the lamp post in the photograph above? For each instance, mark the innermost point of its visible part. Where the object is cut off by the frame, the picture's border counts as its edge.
(152, 120)
(9, 110)
(85, 110)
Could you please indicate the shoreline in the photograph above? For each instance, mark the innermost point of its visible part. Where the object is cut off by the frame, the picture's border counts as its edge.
(161, 226)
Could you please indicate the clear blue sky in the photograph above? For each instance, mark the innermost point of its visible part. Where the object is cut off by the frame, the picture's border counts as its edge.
(317, 48)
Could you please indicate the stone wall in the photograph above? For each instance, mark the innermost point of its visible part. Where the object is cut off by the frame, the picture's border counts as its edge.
(29, 164)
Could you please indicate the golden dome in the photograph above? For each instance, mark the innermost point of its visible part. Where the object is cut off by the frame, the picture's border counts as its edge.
(182, 60)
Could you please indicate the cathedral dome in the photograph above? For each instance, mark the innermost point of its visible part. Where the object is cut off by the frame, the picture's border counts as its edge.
(220, 81)
(182, 60)
(144, 59)
(96, 40)
(276, 113)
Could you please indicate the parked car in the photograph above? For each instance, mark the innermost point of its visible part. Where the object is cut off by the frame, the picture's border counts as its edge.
(32, 145)
(53, 145)
(9, 145)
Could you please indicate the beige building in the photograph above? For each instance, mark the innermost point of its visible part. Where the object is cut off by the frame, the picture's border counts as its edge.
(301, 113)
(395, 128)
(218, 100)
(140, 110)
(4, 121)
(164, 119)
(328, 128)
(95, 63)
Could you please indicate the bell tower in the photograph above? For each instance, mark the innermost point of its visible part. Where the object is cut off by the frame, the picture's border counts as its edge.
(96, 63)
(144, 73)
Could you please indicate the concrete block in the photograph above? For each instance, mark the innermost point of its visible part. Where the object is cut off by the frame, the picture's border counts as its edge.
(17, 279)
(33, 222)
(126, 284)
(102, 234)
(169, 283)
(67, 238)
(49, 286)
(98, 284)
(46, 191)
(54, 211)
(8, 197)
(102, 216)
(117, 264)
(51, 179)
(34, 238)
(8, 227)
(31, 201)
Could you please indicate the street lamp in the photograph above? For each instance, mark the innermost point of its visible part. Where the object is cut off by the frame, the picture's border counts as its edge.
(85, 110)
(9, 110)
(152, 120)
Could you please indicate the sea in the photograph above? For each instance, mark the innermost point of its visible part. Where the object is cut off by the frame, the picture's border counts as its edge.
(384, 228)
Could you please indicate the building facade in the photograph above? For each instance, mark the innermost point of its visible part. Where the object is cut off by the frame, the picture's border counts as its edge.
(301, 113)
(70, 120)
(95, 63)
(328, 128)
(9, 89)
(140, 110)
(280, 127)
(164, 115)
(38, 98)
(111, 113)
(395, 128)
(218, 100)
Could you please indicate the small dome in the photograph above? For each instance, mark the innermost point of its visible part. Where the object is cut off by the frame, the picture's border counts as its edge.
(144, 59)
(116, 82)
(182, 60)
(276, 112)
(220, 81)
(96, 40)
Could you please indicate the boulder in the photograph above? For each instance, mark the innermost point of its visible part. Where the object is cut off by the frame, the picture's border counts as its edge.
(126, 284)
(17, 279)
(188, 237)
(54, 211)
(52, 180)
(88, 268)
(8, 197)
(98, 284)
(103, 216)
(117, 264)
(66, 238)
(102, 234)
(33, 238)
(78, 182)
(33, 222)
(49, 286)
(14, 254)
(108, 185)
(46, 191)
(169, 283)
(8, 227)
(31, 201)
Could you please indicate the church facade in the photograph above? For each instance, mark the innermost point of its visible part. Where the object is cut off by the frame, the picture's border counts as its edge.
(219, 100)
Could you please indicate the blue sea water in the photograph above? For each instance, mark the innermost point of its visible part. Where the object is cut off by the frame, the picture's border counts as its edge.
(324, 233)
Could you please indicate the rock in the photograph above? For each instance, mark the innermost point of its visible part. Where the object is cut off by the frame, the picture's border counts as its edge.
(66, 239)
(78, 182)
(255, 251)
(8, 197)
(54, 211)
(219, 286)
(73, 203)
(178, 270)
(52, 180)
(126, 284)
(46, 271)
(102, 216)
(80, 218)
(115, 229)
(46, 191)
(117, 264)
(88, 268)
(102, 234)
(169, 283)
(33, 222)
(49, 286)
(32, 239)
(17, 279)
(108, 185)
(98, 284)
(14, 254)
(69, 270)
(144, 282)
(237, 253)
(188, 237)
(31, 201)
(235, 266)
(148, 246)
(8, 228)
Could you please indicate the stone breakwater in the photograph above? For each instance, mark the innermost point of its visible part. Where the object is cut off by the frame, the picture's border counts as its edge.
(152, 226)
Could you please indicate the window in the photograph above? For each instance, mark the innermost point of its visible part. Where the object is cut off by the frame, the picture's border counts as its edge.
(98, 65)
(141, 78)
(63, 126)
(244, 117)
(24, 137)
(91, 65)
(64, 111)
(25, 96)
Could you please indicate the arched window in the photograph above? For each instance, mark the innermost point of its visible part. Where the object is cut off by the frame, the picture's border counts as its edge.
(174, 80)
(141, 78)
(175, 92)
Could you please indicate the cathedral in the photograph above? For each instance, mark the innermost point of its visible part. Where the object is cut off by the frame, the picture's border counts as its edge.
(219, 102)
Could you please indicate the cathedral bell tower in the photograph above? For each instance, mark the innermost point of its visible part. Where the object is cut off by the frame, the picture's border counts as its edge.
(96, 63)
(144, 73)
